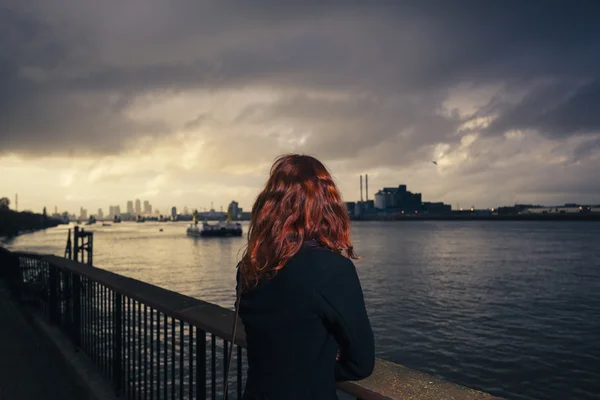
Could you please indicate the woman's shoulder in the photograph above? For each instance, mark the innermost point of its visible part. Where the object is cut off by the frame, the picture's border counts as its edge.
(324, 262)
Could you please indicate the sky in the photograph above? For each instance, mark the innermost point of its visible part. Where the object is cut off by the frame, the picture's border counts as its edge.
(188, 102)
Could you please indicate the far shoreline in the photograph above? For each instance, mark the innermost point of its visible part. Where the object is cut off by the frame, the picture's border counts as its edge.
(14, 223)
(524, 217)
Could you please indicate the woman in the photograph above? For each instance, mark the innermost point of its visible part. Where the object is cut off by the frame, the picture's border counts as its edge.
(302, 304)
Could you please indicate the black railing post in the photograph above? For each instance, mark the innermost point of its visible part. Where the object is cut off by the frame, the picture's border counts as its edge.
(65, 295)
(118, 344)
(76, 310)
(200, 364)
(90, 248)
(53, 293)
(76, 243)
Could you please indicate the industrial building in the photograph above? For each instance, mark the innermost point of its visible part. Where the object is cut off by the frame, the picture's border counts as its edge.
(363, 207)
(398, 199)
(436, 208)
(393, 201)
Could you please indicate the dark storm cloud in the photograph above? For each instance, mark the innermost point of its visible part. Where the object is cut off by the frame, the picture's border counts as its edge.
(80, 124)
(385, 48)
(345, 127)
(69, 71)
(37, 114)
(586, 149)
(556, 110)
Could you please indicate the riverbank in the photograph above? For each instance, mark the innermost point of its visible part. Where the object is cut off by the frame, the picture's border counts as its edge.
(491, 217)
(13, 223)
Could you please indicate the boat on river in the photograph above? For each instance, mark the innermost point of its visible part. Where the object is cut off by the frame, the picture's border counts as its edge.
(220, 229)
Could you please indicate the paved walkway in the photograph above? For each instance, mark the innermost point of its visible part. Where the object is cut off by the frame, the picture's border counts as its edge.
(30, 368)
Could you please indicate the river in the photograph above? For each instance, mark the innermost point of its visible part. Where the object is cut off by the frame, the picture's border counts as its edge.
(511, 308)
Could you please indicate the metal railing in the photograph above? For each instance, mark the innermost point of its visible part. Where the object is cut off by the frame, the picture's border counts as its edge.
(154, 343)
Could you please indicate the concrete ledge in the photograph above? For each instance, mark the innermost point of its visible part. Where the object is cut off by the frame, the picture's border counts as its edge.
(100, 388)
(391, 381)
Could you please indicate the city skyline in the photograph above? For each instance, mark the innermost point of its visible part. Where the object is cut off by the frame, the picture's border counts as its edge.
(144, 207)
(115, 211)
(185, 103)
(363, 196)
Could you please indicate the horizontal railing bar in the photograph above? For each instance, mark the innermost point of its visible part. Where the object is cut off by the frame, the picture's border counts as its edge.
(206, 316)
(30, 254)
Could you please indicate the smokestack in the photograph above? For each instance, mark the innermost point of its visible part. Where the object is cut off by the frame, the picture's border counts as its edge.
(367, 185)
(361, 198)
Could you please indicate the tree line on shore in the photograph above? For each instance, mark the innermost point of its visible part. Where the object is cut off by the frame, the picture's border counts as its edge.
(13, 222)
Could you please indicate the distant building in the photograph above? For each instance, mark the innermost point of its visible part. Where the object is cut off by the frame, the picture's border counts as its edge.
(174, 212)
(361, 208)
(147, 207)
(100, 214)
(234, 210)
(83, 213)
(398, 199)
(130, 209)
(566, 209)
(436, 208)
(350, 207)
(212, 215)
(507, 210)
(114, 211)
(138, 207)
(516, 209)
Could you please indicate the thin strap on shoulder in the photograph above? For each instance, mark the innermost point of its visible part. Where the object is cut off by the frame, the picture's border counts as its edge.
(238, 296)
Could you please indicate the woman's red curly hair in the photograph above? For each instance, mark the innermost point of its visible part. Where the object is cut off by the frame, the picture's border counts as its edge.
(299, 202)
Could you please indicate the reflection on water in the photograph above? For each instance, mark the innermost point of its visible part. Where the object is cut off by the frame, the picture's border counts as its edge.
(507, 307)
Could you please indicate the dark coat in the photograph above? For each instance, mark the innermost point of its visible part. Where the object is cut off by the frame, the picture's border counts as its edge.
(296, 322)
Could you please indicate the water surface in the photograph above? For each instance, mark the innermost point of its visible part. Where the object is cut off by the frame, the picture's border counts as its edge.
(506, 307)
